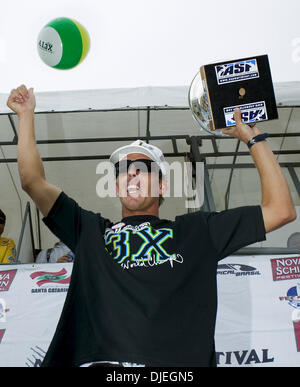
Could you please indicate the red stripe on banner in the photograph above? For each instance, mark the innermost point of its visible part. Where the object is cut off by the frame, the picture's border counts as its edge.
(2, 331)
(63, 281)
(297, 333)
(40, 273)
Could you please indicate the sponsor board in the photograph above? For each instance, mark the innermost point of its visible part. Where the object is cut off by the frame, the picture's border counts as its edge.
(285, 268)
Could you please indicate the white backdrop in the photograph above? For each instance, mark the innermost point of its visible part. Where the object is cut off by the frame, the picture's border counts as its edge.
(258, 321)
(141, 43)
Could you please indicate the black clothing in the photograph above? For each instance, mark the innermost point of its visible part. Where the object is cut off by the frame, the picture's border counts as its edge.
(144, 290)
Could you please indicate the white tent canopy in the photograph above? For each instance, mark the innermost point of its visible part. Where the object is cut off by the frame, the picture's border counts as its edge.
(287, 94)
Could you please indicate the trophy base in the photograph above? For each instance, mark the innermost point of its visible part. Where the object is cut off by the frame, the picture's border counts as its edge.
(243, 83)
(218, 89)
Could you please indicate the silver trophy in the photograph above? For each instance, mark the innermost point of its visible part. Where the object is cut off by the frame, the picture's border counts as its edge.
(199, 105)
(219, 88)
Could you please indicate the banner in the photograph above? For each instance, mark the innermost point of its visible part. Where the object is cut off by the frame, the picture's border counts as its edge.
(258, 319)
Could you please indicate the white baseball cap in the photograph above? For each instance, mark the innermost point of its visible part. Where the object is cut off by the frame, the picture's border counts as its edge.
(142, 147)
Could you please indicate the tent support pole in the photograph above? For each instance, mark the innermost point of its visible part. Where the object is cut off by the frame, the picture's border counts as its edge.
(15, 139)
(294, 178)
(209, 204)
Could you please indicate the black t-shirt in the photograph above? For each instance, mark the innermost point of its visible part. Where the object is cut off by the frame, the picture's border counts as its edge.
(144, 290)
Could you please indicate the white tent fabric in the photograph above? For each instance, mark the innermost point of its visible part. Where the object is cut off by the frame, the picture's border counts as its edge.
(287, 94)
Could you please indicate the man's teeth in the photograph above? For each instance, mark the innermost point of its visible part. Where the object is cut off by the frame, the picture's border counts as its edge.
(132, 188)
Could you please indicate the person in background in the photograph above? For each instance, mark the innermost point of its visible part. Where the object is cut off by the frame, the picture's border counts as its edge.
(7, 245)
(293, 241)
(59, 253)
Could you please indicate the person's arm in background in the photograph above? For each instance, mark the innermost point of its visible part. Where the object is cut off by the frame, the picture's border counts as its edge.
(276, 202)
(31, 170)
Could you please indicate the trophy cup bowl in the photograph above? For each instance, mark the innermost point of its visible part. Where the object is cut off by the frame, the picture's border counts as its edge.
(199, 106)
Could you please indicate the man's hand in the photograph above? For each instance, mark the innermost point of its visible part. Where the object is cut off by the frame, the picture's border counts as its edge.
(21, 100)
(64, 258)
(241, 131)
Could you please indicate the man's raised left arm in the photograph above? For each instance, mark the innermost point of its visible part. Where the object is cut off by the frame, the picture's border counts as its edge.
(276, 202)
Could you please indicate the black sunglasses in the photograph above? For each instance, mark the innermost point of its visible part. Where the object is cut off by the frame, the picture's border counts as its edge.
(141, 165)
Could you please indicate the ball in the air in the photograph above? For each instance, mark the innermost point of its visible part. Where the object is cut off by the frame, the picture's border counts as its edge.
(63, 43)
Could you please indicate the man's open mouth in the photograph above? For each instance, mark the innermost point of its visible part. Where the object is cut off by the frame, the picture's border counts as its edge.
(133, 189)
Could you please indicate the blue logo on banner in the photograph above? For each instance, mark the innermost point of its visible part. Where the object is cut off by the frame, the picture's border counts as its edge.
(293, 295)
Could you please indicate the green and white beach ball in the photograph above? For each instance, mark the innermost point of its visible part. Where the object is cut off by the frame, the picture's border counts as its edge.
(63, 43)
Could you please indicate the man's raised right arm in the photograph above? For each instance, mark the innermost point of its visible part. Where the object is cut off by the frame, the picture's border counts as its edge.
(31, 170)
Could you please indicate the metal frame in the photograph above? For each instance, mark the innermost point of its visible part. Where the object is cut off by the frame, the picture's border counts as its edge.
(194, 155)
(27, 214)
(191, 140)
